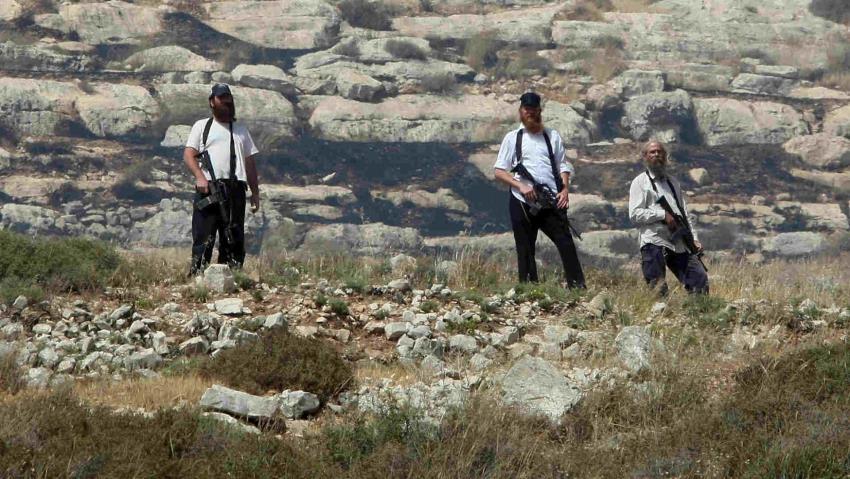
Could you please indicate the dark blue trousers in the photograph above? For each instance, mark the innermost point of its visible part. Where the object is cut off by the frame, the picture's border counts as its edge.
(654, 261)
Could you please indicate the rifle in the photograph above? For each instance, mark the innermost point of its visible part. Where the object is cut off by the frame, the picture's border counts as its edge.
(682, 230)
(546, 198)
(217, 195)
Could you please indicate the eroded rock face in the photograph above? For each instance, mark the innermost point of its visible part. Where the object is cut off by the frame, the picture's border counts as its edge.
(723, 121)
(285, 24)
(36, 107)
(413, 118)
(108, 22)
(116, 109)
(10, 10)
(821, 150)
(526, 26)
(373, 238)
(795, 244)
(658, 115)
(170, 58)
(837, 122)
(41, 57)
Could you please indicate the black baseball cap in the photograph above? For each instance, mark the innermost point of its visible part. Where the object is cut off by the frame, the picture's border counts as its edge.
(220, 89)
(530, 99)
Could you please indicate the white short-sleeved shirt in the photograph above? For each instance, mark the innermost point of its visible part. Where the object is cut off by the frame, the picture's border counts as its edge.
(218, 144)
(535, 157)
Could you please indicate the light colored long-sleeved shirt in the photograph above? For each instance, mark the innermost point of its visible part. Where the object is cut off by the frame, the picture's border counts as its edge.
(535, 157)
(648, 216)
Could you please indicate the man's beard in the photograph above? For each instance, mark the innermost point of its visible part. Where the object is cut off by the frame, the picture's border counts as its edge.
(224, 112)
(532, 123)
(658, 171)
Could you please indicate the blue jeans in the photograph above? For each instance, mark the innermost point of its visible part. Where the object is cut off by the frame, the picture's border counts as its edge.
(654, 261)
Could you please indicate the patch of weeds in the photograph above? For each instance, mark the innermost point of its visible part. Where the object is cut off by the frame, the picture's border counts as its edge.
(353, 443)
(467, 326)
(280, 360)
(320, 300)
(381, 314)
(707, 311)
(347, 49)
(488, 306)
(66, 264)
(182, 366)
(257, 295)
(242, 280)
(11, 287)
(356, 283)
(547, 304)
(404, 49)
(11, 374)
(144, 303)
(429, 306)
(338, 306)
(622, 318)
(523, 63)
(366, 14)
(199, 294)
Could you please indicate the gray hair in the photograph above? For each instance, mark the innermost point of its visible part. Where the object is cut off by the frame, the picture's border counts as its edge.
(645, 147)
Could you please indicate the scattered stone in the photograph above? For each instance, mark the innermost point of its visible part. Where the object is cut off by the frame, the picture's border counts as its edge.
(21, 302)
(297, 404)
(277, 320)
(539, 387)
(48, 358)
(634, 348)
(229, 306)
(395, 331)
(231, 401)
(463, 343)
(38, 378)
(122, 312)
(601, 304)
(699, 176)
(196, 345)
(399, 285)
(219, 278)
(145, 359)
(42, 328)
(232, 422)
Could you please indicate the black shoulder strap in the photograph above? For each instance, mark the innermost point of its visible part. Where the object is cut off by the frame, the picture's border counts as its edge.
(675, 195)
(519, 146)
(559, 184)
(206, 133)
(232, 155)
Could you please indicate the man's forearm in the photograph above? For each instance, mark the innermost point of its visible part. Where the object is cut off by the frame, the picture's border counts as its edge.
(504, 177)
(251, 173)
(190, 159)
(565, 179)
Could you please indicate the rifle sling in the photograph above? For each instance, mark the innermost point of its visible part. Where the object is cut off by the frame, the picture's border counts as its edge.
(206, 135)
(675, 197)
(558, 183)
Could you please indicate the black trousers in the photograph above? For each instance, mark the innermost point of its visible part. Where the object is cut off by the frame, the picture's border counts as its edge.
(208, 222)
(525, 227)
(654, 261)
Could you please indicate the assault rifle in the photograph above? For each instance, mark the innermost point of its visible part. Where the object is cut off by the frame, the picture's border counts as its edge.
(682, 229)
(217, 196)
(546, 198)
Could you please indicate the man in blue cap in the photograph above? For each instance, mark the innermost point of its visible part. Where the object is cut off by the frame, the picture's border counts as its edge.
(541, 151)
(231, 150)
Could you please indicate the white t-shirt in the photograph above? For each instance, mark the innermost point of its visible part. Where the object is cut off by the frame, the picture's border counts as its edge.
(218, 144)
(535, 157)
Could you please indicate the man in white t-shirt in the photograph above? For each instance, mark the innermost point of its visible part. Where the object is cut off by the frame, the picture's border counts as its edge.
(541, 152)
(231, 152)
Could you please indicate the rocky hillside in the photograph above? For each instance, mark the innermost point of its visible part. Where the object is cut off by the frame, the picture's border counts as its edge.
(378, 122)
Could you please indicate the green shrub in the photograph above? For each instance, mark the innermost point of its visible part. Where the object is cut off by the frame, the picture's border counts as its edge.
(57, 436)
(71, 264)
(347, 49)
(278, 361)
(439, 82)
(338, 306)
(524, 63)
(242, 280)
(320, 300)
(11, 375)
(608, 42)
(349, 444)
(405, 49)
(366, 14)
(199, 294)
(481, 51)
(707, 311)
(429, 306)
(11, 287)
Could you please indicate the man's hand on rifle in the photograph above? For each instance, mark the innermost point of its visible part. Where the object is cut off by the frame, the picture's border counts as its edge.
(670, 221)
(563, 199)
(202, 185)
(528, 192)
(699, 246)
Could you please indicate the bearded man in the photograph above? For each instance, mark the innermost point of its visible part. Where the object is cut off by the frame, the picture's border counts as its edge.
(231, 152)
(541, 151)
(660, 248)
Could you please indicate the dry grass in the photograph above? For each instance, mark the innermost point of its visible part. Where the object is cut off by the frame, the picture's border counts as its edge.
(147, 394)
